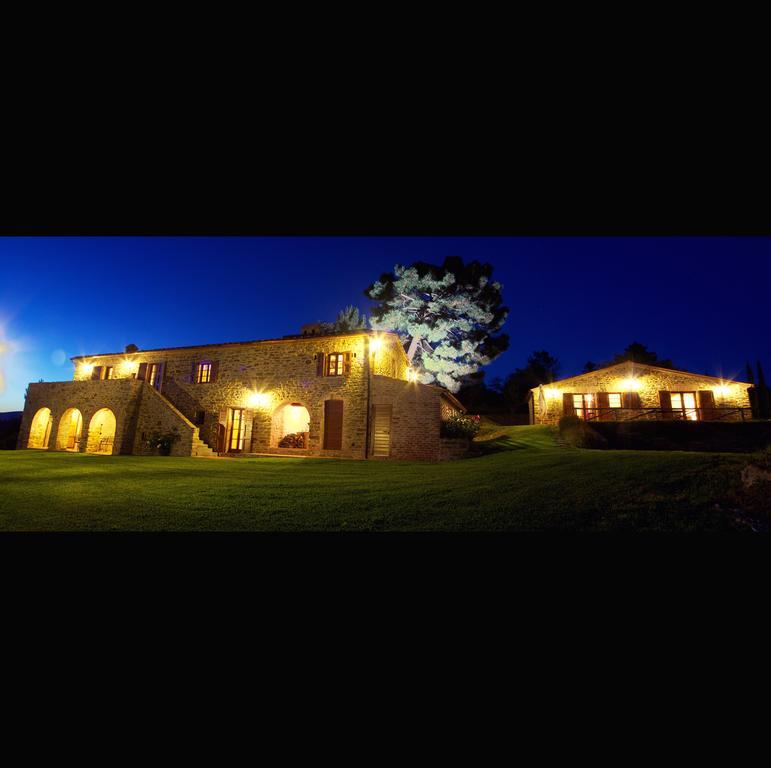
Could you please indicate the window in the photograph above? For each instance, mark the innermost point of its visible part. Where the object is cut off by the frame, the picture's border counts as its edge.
(235, 429)
(203, 373)
(152, 373)
(108, 372)
(335, 363)
(684, 405)
(583, 406)
(614, 400)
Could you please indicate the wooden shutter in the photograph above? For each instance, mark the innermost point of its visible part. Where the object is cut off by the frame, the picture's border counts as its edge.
(631, 400)
(248, 418)
(160, 378)
(97, 372)
(706, 404)
(603, 403)
(194, 372)
(381, 425)
(215, 369)
(333, 425)
(347, 364)
(567, 404)
(142, 373)
(319, 363)
(666, 404)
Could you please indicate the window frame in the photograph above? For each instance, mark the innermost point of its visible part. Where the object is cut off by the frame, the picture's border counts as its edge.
(339, 358)
(199, 369)
(684, 410)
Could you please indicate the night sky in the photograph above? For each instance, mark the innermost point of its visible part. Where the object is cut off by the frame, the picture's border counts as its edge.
(703, 302)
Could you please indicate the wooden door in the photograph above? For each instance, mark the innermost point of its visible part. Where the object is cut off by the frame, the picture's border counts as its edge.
(333, 425)
(381, 430)
(235, 441)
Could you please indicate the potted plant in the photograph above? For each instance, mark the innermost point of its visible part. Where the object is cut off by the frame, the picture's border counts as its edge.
(162, 441)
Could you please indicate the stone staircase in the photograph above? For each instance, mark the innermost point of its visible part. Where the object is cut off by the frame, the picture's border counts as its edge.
(201, 449)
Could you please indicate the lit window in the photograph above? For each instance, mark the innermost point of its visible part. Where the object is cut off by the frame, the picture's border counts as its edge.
(152, 373)
(614, 399)
(684, 405)
(108, 372)
(203, 375)
(335, 364)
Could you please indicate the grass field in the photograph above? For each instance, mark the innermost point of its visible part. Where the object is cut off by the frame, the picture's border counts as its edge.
(524, 482)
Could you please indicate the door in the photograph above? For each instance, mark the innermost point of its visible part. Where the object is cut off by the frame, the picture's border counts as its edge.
(235, 440)
(381, 425)
(333, 425)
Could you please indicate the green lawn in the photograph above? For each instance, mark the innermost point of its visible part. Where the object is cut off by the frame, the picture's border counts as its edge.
(524, 482)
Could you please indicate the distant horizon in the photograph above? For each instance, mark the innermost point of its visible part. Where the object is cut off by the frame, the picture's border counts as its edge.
(702, 302)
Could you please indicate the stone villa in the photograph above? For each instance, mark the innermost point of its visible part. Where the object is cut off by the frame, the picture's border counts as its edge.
(629, 391)
(346, 395)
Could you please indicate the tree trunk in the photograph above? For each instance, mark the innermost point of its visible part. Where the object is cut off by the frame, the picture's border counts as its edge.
(413, 347)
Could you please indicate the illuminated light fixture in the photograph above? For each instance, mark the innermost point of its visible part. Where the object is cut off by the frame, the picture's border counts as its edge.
(630, 385)
(722, 390)
(552, 394)
(375, 344)
(412, 374)
(127, 367)
(258, 400)
(87, 368)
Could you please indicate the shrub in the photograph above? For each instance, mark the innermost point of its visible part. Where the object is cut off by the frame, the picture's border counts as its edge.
(162, 441)
(577, 432)
(460, 425)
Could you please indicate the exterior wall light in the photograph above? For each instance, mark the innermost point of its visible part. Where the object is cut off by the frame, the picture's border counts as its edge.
(375, 344)
(412, 374)
(86, 368)
(722, 390)
(258, 400)
(630, 385)
(552, 394)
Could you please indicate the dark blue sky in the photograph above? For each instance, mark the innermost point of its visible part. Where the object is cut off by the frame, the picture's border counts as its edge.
(701, 301)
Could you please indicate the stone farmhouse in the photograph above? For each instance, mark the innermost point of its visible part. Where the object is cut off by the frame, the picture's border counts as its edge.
(348, 395)
(629, 391)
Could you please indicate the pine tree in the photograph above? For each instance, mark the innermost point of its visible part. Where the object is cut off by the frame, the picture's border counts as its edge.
(348, 319)
(750, 375)
(446, 316)
(752, 393)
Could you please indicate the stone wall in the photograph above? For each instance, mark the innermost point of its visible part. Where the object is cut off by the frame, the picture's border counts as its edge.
(415, 419)
(137, 409)
(651, 381)
(279, 372)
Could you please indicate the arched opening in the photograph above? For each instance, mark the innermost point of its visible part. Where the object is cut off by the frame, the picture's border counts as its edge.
(40, 430)
(70, 429)
(290, 426)
(101, 432)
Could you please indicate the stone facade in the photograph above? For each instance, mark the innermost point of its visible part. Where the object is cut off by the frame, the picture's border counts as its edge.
(647, 382)
(256, 380)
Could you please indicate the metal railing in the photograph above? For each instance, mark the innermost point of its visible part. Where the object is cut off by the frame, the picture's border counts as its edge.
(660, 414)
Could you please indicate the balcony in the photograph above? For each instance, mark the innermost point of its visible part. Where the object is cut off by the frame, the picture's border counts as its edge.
(659, 414)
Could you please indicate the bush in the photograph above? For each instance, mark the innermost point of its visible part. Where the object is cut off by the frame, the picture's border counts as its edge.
(577, 432)
(460, 425)
(162, 441)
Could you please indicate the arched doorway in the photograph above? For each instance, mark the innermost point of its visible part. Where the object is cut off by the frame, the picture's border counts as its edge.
(101, 432)
(70, 429)
(40, 430)
(290, 426)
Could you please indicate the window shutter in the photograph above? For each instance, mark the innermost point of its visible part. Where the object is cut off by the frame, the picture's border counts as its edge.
(333, 425)
(97, 372)
(142, 374)
(160, 378)
(194, 372)
(631, 400)
(320, 364)
(567, 404)
(602, 400)
(215, 367)
(248, 421)
(666, 404)
(706, 404)
(347, 364)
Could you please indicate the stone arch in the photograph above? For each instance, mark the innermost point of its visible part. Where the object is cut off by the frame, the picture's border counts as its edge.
(101, 432)
(70, 430)
(40, 429)
(290, 418)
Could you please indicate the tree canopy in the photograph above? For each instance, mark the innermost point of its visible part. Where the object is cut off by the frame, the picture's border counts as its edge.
(448, 317)
(349, 319)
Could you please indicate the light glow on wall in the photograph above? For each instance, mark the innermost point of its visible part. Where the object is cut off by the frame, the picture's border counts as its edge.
(259, 400)
(412, 374)
(375, 344)
(630, 385)
(127, 367)
(86, 369)
(722, 390)
(552, 394)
